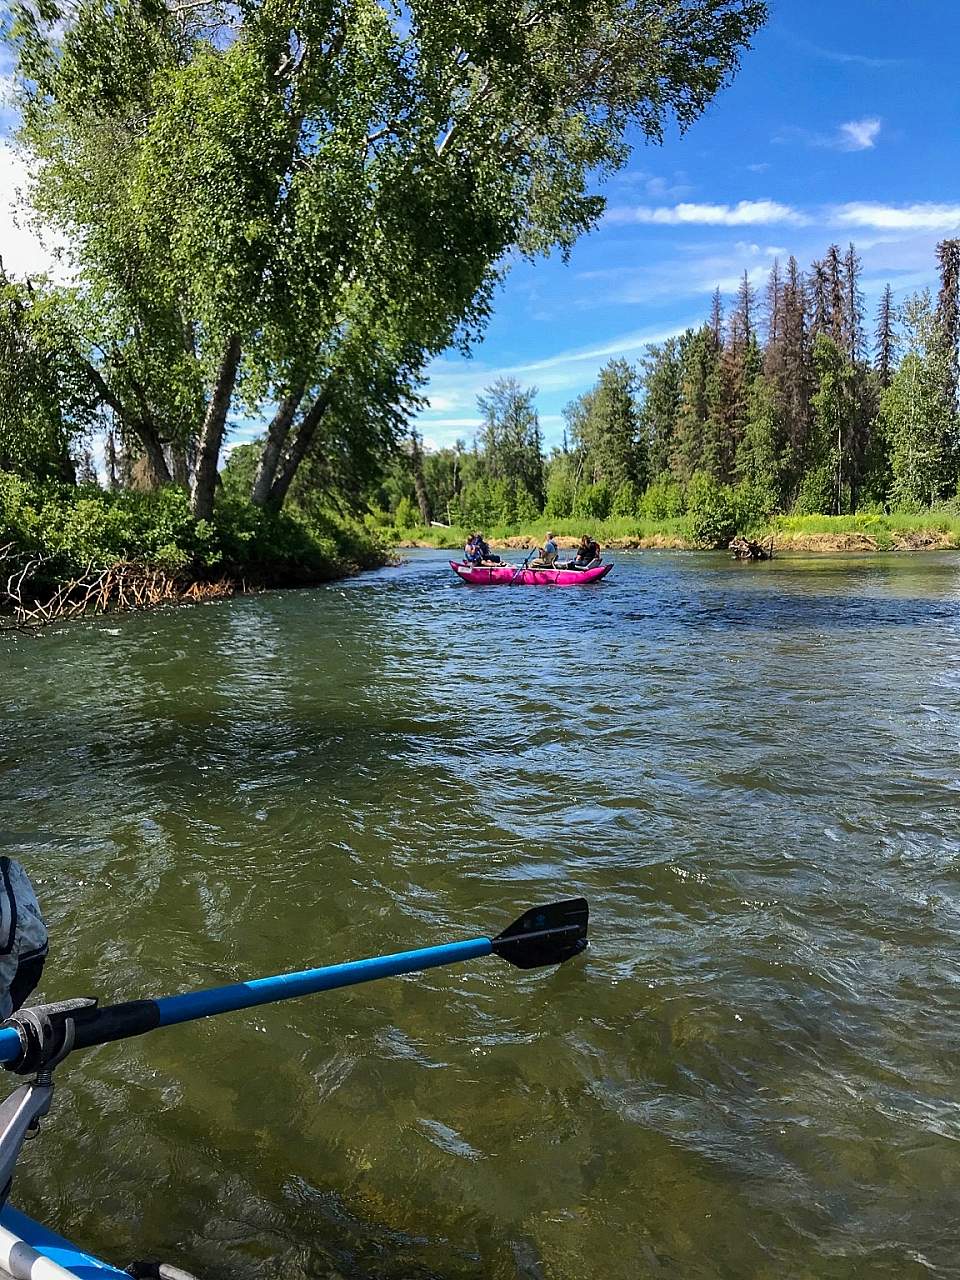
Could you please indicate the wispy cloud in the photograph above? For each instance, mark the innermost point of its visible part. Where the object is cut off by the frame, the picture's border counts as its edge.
(859, 135)
(458, 383)
(654, 185)
(843, 58)
(852, 135)
(912, 217)
(921, 216)
(747, 213)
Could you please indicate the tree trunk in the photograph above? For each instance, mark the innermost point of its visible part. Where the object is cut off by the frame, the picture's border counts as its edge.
(277, 434)
(212, 431)
(298, 450)
(156, 472)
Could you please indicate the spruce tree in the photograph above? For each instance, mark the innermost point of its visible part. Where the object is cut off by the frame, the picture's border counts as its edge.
(774, 306)
(837, 296)
(743, 321)
(660, 377)
(885, 350)
(607, 431)
(716, 318)
(795, 378)
(699, 363)
(819, 299)
(853, 305)
(948, 314)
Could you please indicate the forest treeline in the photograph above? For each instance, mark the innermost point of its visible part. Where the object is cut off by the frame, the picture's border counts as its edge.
(792, 401)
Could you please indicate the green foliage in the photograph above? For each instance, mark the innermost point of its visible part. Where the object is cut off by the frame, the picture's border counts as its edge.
(261, 200)
(918, 419)
(406, 514)
(76, 529)
(752, 505)
(561, 487)
(625, 500)
(816, 493)
(512, 445)
(711, 511)
(665, 499)
(761, 454)
(606, 428)
(593, 501)
(45, 399)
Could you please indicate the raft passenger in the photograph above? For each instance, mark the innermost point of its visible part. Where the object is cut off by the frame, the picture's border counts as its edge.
(488, 556)
(471, 552)
(588, 554)
(547, 554)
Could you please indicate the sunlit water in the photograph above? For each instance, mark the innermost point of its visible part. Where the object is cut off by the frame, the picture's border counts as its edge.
(750, 770)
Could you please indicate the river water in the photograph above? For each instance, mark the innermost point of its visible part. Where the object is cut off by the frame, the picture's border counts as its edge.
(750, 770)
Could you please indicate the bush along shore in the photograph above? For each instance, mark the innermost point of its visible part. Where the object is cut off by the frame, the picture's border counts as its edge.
(68, 550)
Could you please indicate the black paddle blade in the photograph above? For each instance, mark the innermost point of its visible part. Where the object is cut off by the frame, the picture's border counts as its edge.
(545, 935)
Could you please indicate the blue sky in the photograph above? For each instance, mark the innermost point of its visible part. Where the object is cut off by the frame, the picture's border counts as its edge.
(842, 124)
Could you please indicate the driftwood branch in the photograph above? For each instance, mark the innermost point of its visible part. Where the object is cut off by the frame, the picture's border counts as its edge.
(26, 605)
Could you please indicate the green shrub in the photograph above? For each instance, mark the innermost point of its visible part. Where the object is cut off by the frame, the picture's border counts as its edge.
(816, 493)
(406, 514)
(625, 500)
(593, 502)
(79, 529)
(711, 511)
(752, 503)
(662, 500)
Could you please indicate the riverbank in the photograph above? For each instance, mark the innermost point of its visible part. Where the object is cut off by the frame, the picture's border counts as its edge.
(898, 531)
(67, 550)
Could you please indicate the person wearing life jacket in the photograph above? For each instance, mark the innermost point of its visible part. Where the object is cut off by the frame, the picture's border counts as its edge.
(588, 554)
(484, 549)
(547, 558)
(23, 937)
(471, 553)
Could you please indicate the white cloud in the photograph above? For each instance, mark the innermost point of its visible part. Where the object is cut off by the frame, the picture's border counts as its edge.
(469, 423)
(459, 383)
(852, 135)
(859, 135)
(747, 213)
(912, 217)
(20, 248)
(844, 58)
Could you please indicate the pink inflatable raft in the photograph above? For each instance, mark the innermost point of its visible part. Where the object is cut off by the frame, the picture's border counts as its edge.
(505, 575)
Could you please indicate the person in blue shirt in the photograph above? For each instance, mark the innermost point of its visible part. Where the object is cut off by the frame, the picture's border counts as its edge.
(547, 557)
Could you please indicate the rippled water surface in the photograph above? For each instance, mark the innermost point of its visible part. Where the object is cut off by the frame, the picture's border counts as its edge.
(752, 773)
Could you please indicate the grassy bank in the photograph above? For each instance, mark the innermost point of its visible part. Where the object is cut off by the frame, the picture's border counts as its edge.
(86, 548)
(898, 531)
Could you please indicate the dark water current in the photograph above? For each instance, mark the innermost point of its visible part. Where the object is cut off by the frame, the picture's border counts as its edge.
(751, 771)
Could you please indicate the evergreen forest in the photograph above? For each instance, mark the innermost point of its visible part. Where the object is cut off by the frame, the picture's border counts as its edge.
(790, 400)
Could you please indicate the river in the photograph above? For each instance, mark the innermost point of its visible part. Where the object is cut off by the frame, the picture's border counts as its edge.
(750, 770)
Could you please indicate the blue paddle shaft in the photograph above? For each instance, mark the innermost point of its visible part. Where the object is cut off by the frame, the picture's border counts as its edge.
(286, 986)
